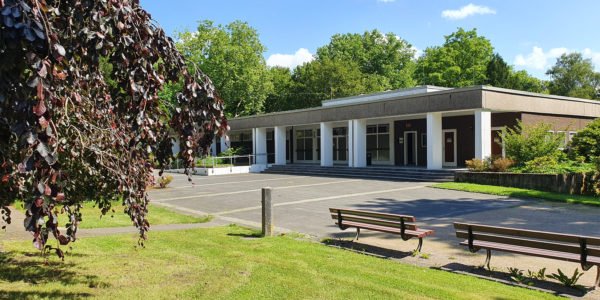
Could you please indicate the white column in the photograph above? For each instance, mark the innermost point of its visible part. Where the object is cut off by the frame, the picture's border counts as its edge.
(260, 146)
(483, 134)
(434, 141)
(326, 144)
(279, 136)
(359, 143)
(350, 143)
(224, 143)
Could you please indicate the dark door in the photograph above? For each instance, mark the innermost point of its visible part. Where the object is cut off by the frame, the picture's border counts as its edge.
(449, 140)
(496, 143)
(410, 148)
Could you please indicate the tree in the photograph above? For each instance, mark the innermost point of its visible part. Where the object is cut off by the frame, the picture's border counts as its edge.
(328, 79)
(574, 76)
(586, 143)
(461, 61)
(498, 71)
(522, 81)
(232, 56)
(524, 143)
(281, 98)
(68, 133)
(386, 55)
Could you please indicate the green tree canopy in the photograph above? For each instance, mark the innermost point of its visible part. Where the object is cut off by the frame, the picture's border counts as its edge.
(574, 76)
(332, 78)
(386, 55)
(281, 98)
(522, 81)
(461, 61)
(498, 71)
(232, 56)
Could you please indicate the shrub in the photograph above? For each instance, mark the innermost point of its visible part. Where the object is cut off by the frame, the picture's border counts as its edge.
(164, 181)
(478, 165)
(502, 164)
(586, 143)
(544, 164)
(526, 143)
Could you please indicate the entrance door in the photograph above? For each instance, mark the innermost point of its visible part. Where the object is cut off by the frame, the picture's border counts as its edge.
(497, 143)
(449, 147)
(410, 148)
(340, 145)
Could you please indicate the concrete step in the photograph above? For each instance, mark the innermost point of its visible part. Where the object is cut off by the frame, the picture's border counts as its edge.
(376, 173)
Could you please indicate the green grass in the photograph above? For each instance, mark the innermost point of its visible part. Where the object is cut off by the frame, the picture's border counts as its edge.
(518, 193)
(92, 217)
(229, 263)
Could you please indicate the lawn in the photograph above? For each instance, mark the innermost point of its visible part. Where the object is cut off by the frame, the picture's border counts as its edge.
(518, 193)
(92, 217)
(230, 263)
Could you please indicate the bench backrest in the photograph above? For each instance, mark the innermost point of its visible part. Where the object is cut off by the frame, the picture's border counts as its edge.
(374, 218)
(568, 243)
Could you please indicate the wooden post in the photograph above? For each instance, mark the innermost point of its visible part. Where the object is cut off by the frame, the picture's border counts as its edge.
(267, 209)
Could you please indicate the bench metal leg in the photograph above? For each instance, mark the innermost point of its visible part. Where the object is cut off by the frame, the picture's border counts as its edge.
(488, 257)
(357, 233)
(420, 245)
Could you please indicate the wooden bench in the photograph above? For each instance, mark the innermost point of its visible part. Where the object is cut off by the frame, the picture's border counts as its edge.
(403, 225)
(567, 247)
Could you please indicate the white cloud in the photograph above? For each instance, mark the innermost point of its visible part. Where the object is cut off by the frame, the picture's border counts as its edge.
(301, 57)
(386, 1)
(466, 11)
(542, 60)
(418, 52)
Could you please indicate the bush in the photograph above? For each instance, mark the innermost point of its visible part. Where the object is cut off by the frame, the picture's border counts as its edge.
(164, 181)
(478, 165)
(526, 143)
(586, 143)
(502, 164)
(544, 164)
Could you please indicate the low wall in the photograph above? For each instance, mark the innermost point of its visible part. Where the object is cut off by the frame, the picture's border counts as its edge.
(574, 184)
(222, 171)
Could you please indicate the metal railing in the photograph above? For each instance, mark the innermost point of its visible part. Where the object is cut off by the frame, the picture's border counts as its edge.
(229, 161)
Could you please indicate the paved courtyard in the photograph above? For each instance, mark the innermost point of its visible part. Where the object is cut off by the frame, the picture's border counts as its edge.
(301, 205)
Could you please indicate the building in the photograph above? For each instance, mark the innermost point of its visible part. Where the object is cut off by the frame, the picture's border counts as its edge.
(425, 126)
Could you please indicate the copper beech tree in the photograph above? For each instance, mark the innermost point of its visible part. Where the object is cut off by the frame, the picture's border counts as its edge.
(68, 133)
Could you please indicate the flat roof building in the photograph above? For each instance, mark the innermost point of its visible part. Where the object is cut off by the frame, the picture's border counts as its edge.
(426, 126)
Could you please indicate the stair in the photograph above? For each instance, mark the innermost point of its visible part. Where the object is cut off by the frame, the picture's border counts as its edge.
(376, 172)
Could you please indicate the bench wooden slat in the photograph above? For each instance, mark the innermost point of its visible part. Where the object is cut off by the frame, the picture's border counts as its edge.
(362, 213)
(517, 241)
(531, 251)
(372, 221)
(559, 237)
(410, 233)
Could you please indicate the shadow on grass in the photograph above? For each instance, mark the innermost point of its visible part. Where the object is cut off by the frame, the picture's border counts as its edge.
(246, 235)
(26, 267)
(366, 249)
(506, 278)
(43, 295)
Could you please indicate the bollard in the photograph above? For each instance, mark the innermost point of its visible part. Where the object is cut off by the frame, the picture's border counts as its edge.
(267, 209)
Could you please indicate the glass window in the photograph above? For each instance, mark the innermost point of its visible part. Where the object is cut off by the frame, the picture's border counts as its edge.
(371, 129)
(384, 128)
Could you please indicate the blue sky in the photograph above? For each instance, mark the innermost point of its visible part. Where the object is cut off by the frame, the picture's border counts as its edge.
(529, 34)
